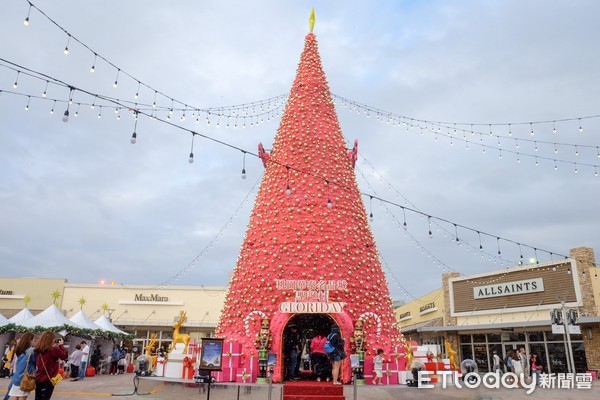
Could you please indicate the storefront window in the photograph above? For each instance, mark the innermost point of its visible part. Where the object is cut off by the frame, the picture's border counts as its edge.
(516, 337)
(466, 352)
(536, 336)
(579, 356)
(465, 338)
(493, 338)
(481, 358)
(479, 338)
(557, 358)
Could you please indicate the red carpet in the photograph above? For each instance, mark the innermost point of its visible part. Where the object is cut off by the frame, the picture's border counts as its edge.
(312, 390)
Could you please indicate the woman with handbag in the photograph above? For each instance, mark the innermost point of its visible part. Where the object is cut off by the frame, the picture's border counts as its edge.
(338, 354)
(48, 352)
(23, 379)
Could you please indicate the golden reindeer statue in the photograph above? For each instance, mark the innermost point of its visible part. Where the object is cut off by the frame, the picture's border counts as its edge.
(180, 337)
(150, 348)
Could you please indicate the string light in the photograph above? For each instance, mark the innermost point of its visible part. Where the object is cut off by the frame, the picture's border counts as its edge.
(117, 79)
(371, 208)
(133, 139)
(244, 165)
(65, 117)
(26, 21)
(66, 51)
(16, 84)
(191, 158)
(28, 101)
(429, 223)
(137, 93)
(53, 105)
(93, 68)
(45, 89)
(580, 127)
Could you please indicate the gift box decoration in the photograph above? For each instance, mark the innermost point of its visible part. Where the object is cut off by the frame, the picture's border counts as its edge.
(232, 353)
(368, 368)
(228, 374)
(391, 376)
(188, 368)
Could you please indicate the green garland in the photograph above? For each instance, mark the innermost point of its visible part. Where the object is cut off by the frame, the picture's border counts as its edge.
(97, 333)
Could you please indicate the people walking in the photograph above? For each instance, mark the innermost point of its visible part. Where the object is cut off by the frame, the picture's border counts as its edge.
(319, 357)
(292, 352)
(48, 352)
(335, 338)
(25, 362)
(75, 362)
(85, 354)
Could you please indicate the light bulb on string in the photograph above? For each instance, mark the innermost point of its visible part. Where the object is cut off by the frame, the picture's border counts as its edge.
(191, 158)
(553, 126)
(244, 165)
(99, 112)
(28, 101)
(480, 245)
(580, 127)
(154, 103)
(457, 240)
(26, 21)
(116, 83)
(65, 117)
(93, 103)
(118, 112)
(133, 139)
(531, 126)
(66, 51)
(429, 223)
(498, 243)
(77, 111)
(16, 84)
(371, 208)
(53, 105)
(404, 225)
(93, 68)
(137, 92)
(45, 93)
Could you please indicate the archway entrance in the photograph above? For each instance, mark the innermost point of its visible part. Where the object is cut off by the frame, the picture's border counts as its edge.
(307, 327)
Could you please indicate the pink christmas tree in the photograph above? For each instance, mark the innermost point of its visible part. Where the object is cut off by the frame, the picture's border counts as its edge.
(308, 250)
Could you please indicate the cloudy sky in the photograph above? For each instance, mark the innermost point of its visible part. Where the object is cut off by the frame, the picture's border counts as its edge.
(78, 201)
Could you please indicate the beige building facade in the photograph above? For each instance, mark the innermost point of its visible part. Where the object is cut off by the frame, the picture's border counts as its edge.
(139, 310)
(509, 309)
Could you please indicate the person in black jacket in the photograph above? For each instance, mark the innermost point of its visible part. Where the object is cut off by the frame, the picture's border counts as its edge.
(292, 351)
(338, 354)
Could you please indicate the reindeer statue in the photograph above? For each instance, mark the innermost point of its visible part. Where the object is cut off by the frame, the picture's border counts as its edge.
(150, 348)
(180, 337)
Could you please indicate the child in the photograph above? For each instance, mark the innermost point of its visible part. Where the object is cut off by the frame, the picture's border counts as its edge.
(378, 367)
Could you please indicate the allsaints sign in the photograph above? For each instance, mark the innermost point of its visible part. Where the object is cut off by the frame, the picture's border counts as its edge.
(509, 288)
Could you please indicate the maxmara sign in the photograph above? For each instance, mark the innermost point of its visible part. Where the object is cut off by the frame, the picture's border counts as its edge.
(509, 288)
(311, 296)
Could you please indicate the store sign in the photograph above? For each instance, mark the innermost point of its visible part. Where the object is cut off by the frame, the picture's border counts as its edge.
(6, 292)
(560, 329)
(509, 288)
(404, 316)
(427, 308)
(311, 296)
(152, 297)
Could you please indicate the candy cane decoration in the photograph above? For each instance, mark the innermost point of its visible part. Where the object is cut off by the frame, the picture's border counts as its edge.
(375, 316)
(249, 318)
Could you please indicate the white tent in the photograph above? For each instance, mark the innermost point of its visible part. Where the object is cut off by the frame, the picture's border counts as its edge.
(105, 324)
(51, 317)
(3, 320)
(21, 316)
(84, 321)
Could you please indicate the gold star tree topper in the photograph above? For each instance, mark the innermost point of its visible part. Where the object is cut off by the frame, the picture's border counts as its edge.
(311, 20)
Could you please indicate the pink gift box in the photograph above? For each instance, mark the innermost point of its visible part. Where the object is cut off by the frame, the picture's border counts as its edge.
(368, 368)
(232, 353)
(390, 375)
(246, 375)
(228, 374)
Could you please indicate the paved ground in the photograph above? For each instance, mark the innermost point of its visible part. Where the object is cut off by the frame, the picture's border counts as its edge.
(123, 387)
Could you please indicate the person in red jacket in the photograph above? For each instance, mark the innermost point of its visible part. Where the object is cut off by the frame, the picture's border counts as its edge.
(48, 351)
